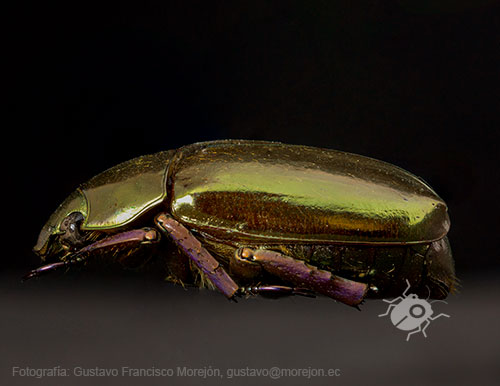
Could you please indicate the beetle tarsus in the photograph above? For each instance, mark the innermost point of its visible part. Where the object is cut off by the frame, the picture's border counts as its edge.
(275, 291)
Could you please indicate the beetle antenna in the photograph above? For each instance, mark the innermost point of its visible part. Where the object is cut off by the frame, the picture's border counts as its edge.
(407, 288)
(428, 289)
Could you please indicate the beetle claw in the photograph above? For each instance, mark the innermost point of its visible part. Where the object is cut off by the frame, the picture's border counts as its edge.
(29, 275)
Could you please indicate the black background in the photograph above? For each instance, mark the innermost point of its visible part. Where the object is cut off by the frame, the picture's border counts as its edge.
(412, 83)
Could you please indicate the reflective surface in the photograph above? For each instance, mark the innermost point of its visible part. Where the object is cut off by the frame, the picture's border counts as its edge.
(120, 194)
(251, 191)
(88, 321)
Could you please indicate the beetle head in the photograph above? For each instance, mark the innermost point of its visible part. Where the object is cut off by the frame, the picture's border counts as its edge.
(107, 201)
(62, 231)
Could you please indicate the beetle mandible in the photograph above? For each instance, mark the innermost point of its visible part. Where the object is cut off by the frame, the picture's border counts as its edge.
(411, 313)
(257, 217)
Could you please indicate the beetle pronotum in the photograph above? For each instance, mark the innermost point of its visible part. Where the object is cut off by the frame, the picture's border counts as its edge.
(255, 217)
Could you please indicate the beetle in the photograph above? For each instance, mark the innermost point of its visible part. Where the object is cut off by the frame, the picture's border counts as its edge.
(411, 313)
(256, 217)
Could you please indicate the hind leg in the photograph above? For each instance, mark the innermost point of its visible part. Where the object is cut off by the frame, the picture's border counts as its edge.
(305, 276)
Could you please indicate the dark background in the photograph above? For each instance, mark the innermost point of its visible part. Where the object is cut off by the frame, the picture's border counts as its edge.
(412, 83)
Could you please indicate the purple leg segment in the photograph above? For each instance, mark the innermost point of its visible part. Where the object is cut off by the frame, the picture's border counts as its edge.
(133, 237)
(199, 255)
(303, 275)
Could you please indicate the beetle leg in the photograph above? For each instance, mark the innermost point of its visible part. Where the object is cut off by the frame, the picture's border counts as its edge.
(427, 324)
(438, 316)
(407, 288)
(388, 310)
(199, 255)
(128, 238)
(274, 291)
(45, 268)
(393, 300)
(419, 329)
(307, 276)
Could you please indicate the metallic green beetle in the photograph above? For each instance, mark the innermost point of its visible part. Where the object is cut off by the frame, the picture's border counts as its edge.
(255, 217)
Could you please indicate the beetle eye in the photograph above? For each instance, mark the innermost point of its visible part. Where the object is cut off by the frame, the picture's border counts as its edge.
(72, 237)
(71, 221)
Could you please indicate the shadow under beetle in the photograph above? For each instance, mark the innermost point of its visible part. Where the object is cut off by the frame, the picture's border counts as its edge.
(255, 217)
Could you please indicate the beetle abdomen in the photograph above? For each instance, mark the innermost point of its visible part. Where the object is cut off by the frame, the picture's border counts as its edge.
(253, 191)
(429, 267)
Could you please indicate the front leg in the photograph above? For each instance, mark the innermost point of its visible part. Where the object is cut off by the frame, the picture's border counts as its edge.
(303, 275)
(127, 239)
(199, 255)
